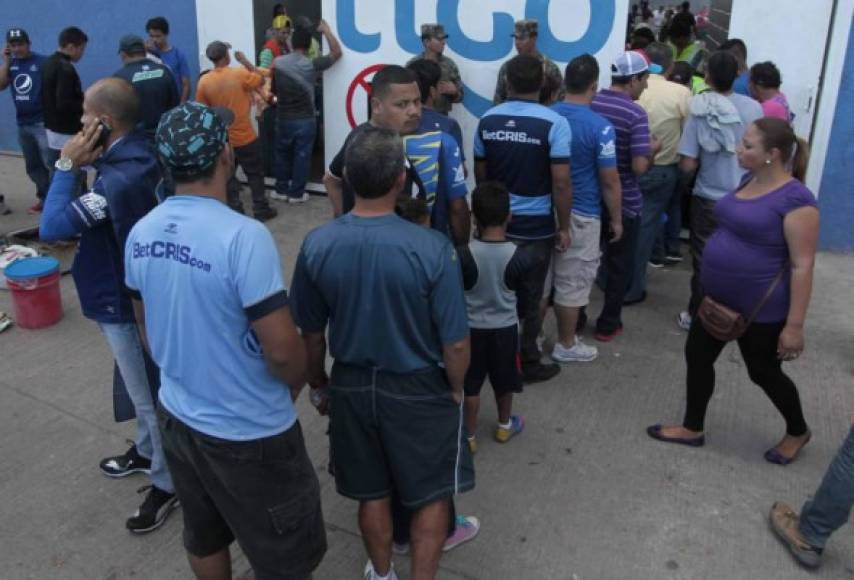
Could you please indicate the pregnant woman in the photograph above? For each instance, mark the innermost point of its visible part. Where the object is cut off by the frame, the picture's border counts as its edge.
(768, 226)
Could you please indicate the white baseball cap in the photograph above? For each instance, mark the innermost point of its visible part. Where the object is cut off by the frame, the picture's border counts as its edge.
(628, 64)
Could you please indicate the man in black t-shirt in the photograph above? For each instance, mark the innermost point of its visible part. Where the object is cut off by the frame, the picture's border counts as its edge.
(395, 105)
(152, 82)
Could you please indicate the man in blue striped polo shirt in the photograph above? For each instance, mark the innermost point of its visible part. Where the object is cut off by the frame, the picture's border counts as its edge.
(525, 146)
(629, 75)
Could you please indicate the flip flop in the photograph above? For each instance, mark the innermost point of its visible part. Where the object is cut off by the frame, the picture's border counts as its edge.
(654, 431)
(777, 458)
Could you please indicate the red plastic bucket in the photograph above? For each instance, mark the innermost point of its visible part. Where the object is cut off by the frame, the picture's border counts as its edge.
(34, 284)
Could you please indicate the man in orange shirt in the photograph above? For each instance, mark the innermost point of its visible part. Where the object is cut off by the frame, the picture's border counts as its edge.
(232, 88)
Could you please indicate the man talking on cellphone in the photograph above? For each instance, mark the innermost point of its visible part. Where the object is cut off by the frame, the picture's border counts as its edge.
(123, 192)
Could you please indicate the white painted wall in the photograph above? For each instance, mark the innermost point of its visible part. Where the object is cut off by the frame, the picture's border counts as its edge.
(830, 92)
(226, 20)
(792, 34)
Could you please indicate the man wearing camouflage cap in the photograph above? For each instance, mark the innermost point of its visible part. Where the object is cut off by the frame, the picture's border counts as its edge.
(211, 300)
(525, 33)
(450, 84)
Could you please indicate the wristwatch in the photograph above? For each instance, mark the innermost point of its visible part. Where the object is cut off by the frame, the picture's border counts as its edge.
(64, 164)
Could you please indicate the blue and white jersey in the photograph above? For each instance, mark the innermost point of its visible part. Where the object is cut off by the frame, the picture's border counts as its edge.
(520, 141)
(436, 157)
(206, 273)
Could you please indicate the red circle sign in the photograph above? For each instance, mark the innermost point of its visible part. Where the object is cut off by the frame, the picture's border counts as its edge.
(360, 81)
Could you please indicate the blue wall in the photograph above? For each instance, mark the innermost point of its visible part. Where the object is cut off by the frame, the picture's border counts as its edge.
(104, 23)
(836, 195)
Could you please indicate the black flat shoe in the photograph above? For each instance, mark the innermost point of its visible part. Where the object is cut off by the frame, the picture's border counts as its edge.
(654, 431)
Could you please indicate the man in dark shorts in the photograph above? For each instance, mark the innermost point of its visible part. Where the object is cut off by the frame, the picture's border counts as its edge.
(396, 414)
(493, 268)
(231, 362)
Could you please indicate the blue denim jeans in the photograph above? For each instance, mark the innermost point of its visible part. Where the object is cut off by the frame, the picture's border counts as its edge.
(294, 144)
(657, 185)
(127, 347)
(33, 141)
(829, 509)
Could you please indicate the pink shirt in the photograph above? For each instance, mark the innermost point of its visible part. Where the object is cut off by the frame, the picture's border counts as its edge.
(778, 107)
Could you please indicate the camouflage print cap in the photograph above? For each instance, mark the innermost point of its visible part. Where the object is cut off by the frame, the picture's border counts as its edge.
(432, 31)
(190, 137)
(525, 28)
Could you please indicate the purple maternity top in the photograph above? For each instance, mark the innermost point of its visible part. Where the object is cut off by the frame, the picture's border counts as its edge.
(748, 249)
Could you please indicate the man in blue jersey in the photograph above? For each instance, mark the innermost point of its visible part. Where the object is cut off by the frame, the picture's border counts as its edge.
(594, 179)
(211, 300)
(22, 70)
(437, 157)
(525, 146)
(158, 35)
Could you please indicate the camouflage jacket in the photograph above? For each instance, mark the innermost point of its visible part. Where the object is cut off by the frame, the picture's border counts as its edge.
(552, 71)
(451, 73)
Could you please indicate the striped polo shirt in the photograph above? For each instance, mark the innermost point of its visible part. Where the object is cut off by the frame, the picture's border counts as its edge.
(520, 140)
(631, 127)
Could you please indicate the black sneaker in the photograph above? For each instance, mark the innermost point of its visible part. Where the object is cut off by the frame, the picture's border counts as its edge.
(656, 263)
(265, 213)
(538, 372)
(127, 464)
(673, 258)
(156, 507)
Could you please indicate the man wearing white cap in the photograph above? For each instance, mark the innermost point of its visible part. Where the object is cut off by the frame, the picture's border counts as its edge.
(629, 76)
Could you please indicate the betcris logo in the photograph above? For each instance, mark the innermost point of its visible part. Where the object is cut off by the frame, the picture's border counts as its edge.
(170, 251)
(499, 46)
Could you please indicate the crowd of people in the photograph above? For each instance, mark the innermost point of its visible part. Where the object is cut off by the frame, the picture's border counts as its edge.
(417, 289)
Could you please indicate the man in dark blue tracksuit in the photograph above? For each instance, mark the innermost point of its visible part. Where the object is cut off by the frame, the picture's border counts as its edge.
(123, 192)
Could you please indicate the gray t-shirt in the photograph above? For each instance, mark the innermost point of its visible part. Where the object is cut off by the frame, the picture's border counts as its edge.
(719, 172)
(294, 76)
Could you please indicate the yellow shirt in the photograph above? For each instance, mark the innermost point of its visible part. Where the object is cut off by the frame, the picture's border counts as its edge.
(232, 88)
(666, 104)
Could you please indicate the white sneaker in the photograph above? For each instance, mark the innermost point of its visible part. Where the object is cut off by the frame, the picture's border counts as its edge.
(303, 199)
(579, 352)
(684, 320)
(278, 196)
(371, 574)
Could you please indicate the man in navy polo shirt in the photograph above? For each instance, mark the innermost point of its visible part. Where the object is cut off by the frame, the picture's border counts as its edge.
(398, 333)
(209, 291)
(525, 146)
(22, 70)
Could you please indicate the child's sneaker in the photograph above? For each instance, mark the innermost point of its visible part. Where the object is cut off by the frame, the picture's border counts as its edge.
(467, 528)
(472, 444)
(579, 352)
(505, 434)
(371, 574)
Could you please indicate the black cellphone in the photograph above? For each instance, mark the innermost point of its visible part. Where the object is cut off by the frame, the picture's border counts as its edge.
(104, 136)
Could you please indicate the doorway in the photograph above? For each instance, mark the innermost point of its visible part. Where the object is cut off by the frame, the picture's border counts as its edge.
(263, 17)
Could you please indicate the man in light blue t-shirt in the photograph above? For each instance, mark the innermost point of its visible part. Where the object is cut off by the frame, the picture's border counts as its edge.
(715, 128)
(212, 302)
(594, 179)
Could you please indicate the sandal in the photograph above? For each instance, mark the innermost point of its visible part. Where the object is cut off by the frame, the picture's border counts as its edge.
(774, 456)
(654, 431)
(5, 321)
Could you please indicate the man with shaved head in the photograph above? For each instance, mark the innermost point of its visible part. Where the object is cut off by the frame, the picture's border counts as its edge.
(123, 192)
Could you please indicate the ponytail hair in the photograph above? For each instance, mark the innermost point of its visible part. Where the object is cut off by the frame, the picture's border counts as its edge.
(794, 151)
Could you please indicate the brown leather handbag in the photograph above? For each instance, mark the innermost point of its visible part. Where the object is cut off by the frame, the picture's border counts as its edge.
(726, 324)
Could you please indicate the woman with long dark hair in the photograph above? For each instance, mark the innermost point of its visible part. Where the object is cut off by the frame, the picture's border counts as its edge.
(766, 238)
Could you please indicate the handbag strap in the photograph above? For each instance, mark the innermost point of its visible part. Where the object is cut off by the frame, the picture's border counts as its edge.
(768, 294)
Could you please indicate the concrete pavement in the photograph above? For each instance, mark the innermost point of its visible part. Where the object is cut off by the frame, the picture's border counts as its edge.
(583, 493)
